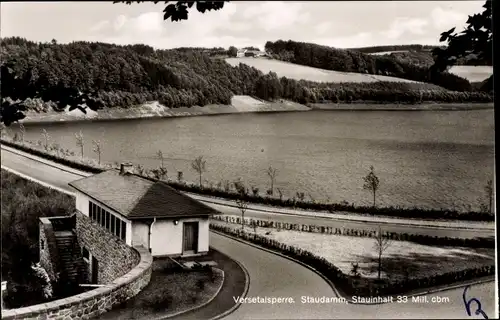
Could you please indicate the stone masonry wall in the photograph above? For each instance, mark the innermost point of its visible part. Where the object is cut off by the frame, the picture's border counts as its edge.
(93, 303)
(114, 256)
(49, 257)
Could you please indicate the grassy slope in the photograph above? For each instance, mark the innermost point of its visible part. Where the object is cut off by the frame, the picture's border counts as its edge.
(473, 73)
(298, 72)
(23, 203)
(168, 292)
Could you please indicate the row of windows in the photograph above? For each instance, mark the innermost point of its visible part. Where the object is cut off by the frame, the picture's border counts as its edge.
(108, 220)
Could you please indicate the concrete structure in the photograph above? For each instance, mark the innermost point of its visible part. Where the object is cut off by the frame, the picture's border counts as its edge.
(142, 212)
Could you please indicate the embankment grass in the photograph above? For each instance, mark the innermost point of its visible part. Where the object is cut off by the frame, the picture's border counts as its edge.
(23, 203)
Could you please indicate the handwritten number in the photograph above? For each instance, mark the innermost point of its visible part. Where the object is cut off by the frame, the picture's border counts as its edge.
(468, 303)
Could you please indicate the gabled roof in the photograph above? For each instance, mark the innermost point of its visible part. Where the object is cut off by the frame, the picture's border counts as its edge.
(136, 197)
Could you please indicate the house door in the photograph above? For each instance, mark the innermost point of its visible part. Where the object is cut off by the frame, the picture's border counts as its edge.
(190, 237)
(95, 270)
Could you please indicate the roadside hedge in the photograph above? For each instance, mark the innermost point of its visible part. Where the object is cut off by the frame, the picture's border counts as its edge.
(392, 211)
(41, 154)
(417, 238)
(349, 285)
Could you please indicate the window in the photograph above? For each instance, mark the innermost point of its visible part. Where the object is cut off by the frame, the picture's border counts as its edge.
(85, 253)
(98, 215)
(107, 219)
(101, 220)
(42, 244)
(124, 229)
(117, 229)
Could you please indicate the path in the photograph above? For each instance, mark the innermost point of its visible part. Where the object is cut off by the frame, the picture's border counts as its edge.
(274, 276)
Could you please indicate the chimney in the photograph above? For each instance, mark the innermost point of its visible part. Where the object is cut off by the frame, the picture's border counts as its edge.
(126, 168)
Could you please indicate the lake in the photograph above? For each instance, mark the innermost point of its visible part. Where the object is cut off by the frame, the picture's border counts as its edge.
(431, 159)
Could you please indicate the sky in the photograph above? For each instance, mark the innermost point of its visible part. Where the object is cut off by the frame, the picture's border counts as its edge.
(342, 24)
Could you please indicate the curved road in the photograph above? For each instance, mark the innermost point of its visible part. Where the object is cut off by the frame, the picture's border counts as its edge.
(275, 276)
(41, 171)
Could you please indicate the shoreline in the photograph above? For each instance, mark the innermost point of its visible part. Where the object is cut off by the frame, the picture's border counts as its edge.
(402, 107)
(154, 112)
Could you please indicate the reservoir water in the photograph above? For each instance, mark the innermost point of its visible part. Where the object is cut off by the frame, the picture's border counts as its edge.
(432, 159)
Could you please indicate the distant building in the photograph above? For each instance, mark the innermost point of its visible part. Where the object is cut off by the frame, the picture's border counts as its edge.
(251, 53)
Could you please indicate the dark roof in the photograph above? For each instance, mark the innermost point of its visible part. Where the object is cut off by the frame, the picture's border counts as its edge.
(136, 197)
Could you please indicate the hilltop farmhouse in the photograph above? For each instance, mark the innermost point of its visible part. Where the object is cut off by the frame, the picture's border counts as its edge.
(251, 53)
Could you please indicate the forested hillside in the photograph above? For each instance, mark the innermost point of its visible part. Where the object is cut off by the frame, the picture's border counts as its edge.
(127, 76)
(420, 58)
(417, 53)
(403, 47)
(329, 58)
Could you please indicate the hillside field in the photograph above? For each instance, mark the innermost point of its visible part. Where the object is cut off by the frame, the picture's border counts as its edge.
(298, 72)
(472, 73)
(385, 52)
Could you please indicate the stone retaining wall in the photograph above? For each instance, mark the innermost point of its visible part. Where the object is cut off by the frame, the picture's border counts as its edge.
(49, 255)
(115, 257)
(92, 303)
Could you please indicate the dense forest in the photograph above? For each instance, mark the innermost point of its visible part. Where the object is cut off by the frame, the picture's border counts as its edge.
(417, 53)
(403, 47)
(127, 76)
(329, 58)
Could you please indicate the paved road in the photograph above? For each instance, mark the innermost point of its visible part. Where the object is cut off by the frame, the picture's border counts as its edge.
(274, 276)
(350, 216)
(60, 179)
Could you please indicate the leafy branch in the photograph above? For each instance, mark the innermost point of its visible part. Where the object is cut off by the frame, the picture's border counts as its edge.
(180, 10)
(475, 42)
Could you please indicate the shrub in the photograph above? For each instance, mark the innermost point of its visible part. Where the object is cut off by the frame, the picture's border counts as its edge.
(23, 203)
(200, 284)
(159, 301)
(255, 191)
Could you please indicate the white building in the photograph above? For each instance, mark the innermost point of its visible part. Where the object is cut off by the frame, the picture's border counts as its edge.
(250, 53)
(144, 212)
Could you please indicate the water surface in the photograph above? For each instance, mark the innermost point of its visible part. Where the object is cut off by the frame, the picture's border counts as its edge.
(438, 159)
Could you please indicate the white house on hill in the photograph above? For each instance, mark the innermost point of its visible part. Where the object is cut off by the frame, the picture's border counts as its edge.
(250, 53)
(144, 212)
